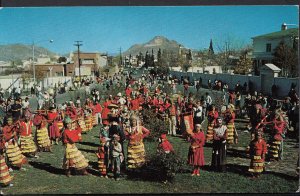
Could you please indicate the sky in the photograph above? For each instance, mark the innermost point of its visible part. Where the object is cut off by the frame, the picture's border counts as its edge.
(106, 29)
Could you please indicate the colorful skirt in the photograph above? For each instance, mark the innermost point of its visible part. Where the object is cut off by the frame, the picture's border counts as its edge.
(74, 158)
(94, 120)
(230, 133)
(27, 145)
(88, 123)
(14, 154)
(81, 123)
(102, 166)
(42, 138)
(274, 149)
(136, 155)
(257, 164)
(5, 177)
(210, 132)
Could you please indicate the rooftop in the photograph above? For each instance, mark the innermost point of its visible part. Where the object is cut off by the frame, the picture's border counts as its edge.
(271, 66)
(278, 34)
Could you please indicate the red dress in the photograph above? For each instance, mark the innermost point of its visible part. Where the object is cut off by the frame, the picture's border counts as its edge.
(53, 129)
(196, 153)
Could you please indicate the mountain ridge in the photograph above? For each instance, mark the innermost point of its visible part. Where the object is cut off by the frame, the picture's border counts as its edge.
(156, 43)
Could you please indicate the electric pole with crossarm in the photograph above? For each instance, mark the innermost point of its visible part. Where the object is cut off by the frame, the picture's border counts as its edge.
(78, 44)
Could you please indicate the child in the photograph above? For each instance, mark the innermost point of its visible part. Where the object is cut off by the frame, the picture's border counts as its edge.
(102, 155)
(116, 156)
(257, 150)
(164, 144)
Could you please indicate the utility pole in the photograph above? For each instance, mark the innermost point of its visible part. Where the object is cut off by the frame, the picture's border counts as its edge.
(121, 60)
(78, 44)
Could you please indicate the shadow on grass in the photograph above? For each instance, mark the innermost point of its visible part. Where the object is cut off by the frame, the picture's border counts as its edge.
(87, 150)
(232, 152)
(281, 175)
(93, 168)
(47, 167)
(89, 144)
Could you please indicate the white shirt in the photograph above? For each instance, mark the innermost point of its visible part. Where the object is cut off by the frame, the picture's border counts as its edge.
(198, 111)
(122, 101)
(208, 99)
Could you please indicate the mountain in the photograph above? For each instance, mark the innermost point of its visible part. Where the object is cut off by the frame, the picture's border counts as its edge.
(157, 42)
(17, 52)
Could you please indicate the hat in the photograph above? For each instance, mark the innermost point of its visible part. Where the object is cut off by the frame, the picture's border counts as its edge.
(67, 120)
(198, 125)
(112, 106)
(119, 95)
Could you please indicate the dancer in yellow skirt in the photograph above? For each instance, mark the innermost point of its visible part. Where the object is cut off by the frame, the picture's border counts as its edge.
(136, 150)
(5, 177)
(229, 120)
(13, 152)
(212, 115)
(27, 144)
(73, 158)
(41, 136)
(257, 150)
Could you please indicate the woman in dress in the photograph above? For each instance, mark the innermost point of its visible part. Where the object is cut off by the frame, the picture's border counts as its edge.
(196, 153)
(136, 149)
(73, 157)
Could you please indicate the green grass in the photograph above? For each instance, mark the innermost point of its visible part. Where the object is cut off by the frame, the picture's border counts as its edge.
(45, 176)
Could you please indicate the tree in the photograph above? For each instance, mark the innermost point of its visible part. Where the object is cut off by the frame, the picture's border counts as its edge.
(159, 58)
(62, 59)
(286, 58)
(244, 65)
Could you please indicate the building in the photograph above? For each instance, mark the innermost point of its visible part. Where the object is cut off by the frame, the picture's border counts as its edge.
(4, 66)
(56, 69)
(264, 45)
(92, 61)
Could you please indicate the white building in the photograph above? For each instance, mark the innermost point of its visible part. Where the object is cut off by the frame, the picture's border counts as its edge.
(264, 45)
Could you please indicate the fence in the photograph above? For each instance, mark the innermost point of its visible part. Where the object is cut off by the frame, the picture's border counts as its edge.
(283, 84)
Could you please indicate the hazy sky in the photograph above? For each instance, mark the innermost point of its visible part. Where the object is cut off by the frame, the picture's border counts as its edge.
(105, 29)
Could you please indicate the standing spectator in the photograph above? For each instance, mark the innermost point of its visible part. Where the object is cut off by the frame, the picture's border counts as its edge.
(218, 162)
(238, 87)
(208, 100)
(16, 110)
(274, 90)
(209, 84)
(245, 88)
(117, 156)
(197, 113)
(32, 91)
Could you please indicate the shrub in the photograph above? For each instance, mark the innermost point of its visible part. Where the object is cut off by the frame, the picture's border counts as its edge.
(162, 166)
(155, 125)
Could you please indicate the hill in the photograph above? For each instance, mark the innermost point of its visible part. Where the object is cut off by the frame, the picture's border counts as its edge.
(157, 42)
(16, 52)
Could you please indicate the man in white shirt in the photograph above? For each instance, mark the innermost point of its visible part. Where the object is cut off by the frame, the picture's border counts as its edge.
(198, 113)
(25, 103)
(208, 100)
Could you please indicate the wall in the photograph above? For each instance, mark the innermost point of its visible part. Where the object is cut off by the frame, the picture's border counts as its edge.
(6, 81)
(284, 84)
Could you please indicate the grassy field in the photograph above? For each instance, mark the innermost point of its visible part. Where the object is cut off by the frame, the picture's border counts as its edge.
(45, 176)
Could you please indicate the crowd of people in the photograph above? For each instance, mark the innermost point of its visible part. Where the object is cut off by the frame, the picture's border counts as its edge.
(26, 132)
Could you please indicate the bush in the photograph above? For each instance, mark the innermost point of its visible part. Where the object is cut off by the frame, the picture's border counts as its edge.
(162, 166)
(155, 125)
